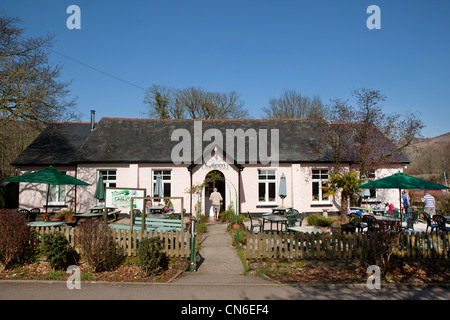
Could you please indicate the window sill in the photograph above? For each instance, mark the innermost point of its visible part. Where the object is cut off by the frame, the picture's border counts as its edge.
(266, 205)
(313, 205)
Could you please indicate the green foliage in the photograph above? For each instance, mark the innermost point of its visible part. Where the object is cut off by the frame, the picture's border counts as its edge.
(58, 251)
(242, 236)
(151, 257)
(344, 183)
(98, 245)
(316, 219)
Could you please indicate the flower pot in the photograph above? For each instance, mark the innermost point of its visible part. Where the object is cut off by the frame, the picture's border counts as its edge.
(69, 219)
(236, 227)
(46, 216)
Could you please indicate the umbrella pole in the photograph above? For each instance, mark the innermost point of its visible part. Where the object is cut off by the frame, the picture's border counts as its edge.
(400, 204)
(46, 202)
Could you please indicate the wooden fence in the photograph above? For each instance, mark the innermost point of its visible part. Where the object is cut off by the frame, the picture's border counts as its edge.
(299, 246)
(175, 243)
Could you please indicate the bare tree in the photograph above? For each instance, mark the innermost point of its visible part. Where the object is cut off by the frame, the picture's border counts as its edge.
(29, 86)
(380, 137)
(193, 103)
(293, 105)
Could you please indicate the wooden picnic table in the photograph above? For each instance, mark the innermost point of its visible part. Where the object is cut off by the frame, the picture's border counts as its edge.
(45, 223)
(154, 209)
(280, 210)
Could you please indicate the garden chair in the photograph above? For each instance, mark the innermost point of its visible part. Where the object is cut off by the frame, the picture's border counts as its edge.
(357, 221)
(293, 216)
(25, 213)
(372, 224)
(412, 219)
(440, 220)
(255, 223)
(393, 214)
(430, 223)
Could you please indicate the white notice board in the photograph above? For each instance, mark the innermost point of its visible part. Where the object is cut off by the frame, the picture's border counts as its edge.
(121, 198)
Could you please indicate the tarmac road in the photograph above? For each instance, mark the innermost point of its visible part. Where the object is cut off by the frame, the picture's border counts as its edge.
(217, 288)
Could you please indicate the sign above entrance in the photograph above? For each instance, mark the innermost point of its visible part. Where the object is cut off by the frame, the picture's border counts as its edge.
(216, 162)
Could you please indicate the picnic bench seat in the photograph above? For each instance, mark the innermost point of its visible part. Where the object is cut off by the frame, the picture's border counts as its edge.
(153, 224)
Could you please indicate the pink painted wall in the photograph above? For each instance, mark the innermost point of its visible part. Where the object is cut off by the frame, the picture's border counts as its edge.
(298, 178)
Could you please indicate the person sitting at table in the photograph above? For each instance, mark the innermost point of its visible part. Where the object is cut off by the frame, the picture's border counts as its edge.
(361, 213)
(148, 204)
(168, 207)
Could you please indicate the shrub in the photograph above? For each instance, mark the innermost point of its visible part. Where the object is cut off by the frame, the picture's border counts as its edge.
(242, 236)
(58, 251)
(317, 219)
(151, 257)
(98, 245)
(17, 241)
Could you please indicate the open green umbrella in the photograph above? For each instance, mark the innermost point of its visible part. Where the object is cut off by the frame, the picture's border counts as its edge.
(401, 181)
(49, 176)
(282, 193)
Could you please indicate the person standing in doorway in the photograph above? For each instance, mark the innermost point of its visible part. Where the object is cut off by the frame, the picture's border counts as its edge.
(430, 203)
(216, 199)
(406, 199)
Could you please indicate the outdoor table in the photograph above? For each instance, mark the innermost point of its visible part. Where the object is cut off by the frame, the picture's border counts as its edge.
(100, 208)
(361, 209)
(157, 215)
(155, 209)
(280, 210)
(377, 211)
(87, 215)
(388, 221)
(447, 218)
(383, 218)
(275, 218)
(45, 223)
(306, 229)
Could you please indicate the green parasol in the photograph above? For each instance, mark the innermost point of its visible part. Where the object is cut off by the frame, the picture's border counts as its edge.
(49, 176)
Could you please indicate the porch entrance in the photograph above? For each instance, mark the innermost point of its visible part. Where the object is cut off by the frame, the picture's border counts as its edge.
(219, 183)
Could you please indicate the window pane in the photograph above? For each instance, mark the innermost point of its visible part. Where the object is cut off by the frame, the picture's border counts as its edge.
(62, 194)
(261, 192)
(272, 195)
(315, 191)
(324, 198)
(167, 190)
(316, 174)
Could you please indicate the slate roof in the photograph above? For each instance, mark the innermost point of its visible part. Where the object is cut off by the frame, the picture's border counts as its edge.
(117, 140)
(58, 144)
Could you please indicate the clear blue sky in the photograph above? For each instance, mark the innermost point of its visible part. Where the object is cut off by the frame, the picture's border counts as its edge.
(257, 48)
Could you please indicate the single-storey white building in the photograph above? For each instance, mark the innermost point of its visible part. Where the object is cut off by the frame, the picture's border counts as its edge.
(250, 155)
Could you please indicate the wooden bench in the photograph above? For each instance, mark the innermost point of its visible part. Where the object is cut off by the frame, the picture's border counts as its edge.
(153, 224)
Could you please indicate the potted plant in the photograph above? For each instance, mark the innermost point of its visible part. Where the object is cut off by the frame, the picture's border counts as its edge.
(56, 217)
(67, 215)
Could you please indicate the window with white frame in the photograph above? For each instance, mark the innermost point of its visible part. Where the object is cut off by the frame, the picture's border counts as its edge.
(109, 178)
(166, 177)
(57, 195)
(373, 192)
(267, 186)
(319, 178)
